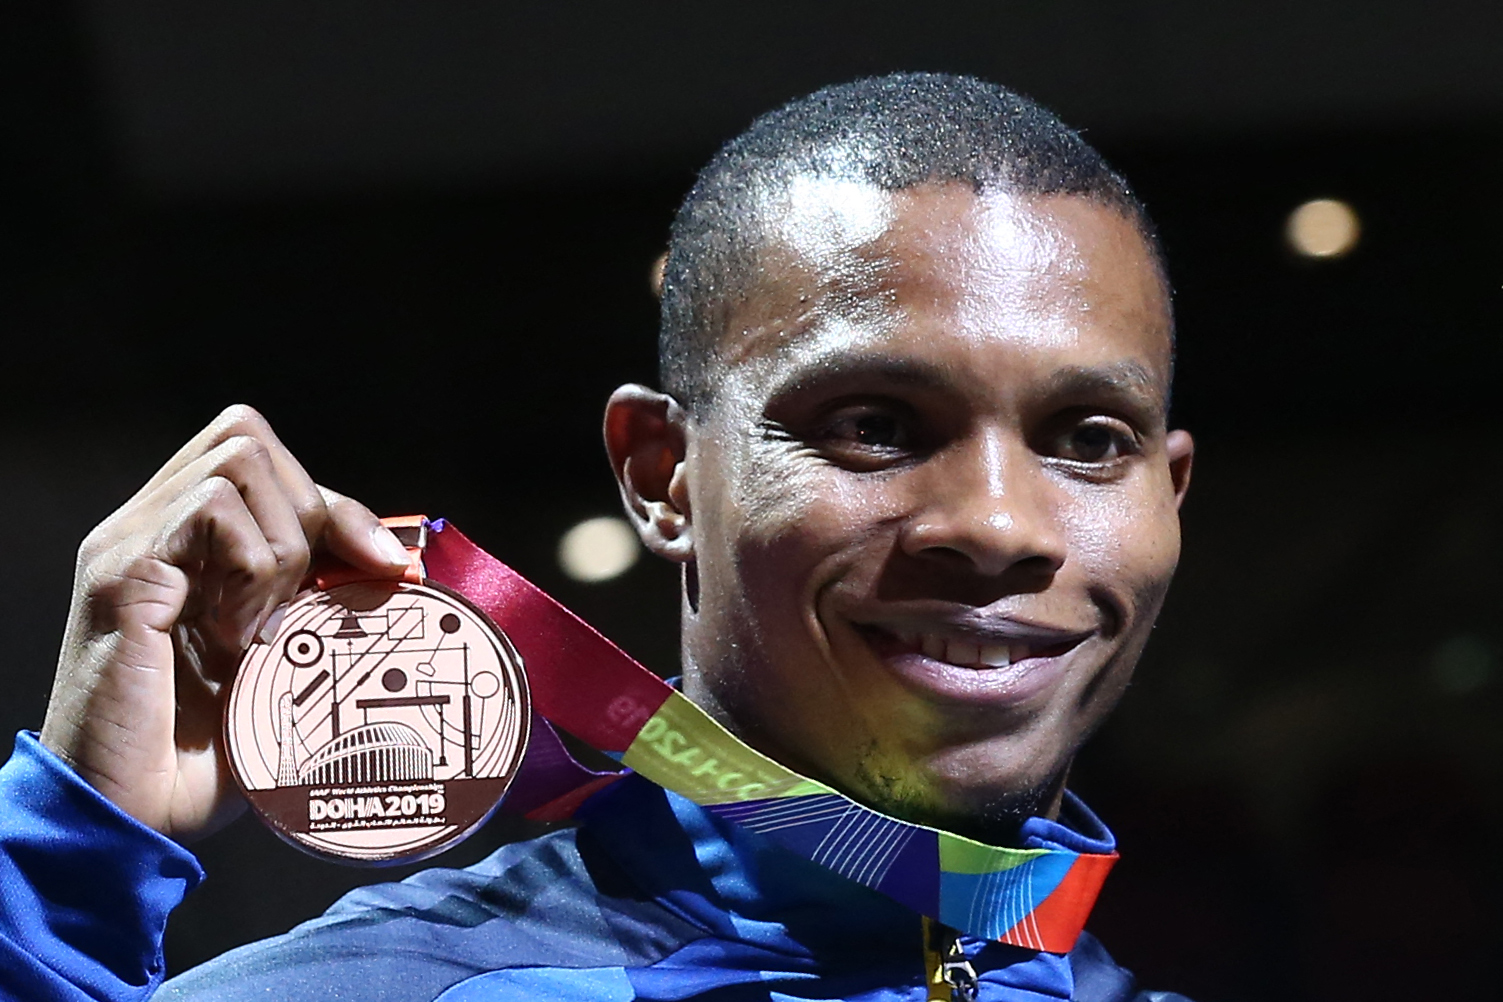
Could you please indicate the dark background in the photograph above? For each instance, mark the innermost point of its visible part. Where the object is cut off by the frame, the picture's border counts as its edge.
(418, 235)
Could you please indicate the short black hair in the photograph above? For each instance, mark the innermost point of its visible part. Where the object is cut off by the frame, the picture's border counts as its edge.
(894, 132)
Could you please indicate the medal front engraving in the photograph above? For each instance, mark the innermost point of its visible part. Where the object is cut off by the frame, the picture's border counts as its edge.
(382, 723)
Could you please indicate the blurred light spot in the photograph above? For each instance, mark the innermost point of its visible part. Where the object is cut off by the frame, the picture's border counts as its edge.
(598, 549)
(1462, 664)
(1323, 227)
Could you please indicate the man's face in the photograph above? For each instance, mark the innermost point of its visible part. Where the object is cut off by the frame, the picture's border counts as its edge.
(933, 505)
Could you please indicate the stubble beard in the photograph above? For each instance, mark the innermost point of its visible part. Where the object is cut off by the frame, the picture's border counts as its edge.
(993, 819)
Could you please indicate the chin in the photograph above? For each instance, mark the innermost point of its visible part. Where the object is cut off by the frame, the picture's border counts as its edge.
(962, 791)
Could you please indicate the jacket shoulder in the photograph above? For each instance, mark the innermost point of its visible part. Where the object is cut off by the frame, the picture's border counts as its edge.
(1098, 978)
(551, 901)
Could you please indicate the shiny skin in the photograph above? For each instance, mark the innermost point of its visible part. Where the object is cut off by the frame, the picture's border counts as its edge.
(950, 423)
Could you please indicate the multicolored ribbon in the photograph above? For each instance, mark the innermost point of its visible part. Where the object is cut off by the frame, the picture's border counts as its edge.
(584, 684)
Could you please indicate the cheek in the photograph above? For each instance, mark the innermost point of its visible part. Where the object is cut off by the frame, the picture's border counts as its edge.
(796, 524)
(1127, 543)
(789, 526)
(786, 498)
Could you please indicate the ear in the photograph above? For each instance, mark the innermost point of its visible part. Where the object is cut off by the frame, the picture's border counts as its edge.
(1181, 449)
(645, 436)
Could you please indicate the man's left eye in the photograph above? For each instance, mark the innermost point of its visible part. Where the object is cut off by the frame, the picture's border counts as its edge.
(1097, 441)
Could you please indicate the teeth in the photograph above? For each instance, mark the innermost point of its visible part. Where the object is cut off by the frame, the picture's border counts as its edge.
(996, 656)
(966, 653)
(958, 652)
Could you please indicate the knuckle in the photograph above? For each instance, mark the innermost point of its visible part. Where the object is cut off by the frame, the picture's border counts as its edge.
(259, 563)
(135, 585)
(339, 507)
(240, 415)
(120, 532)
(347, 508)
(242, 448)
(311, 510)
(313, 517)
(292, 555)
(313, 505)
(217, 491)
(95, 545)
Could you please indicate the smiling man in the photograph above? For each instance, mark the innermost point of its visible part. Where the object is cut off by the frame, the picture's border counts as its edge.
(923, 445)
(911, 453)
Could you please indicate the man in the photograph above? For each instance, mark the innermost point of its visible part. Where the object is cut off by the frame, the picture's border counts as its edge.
(911, 453)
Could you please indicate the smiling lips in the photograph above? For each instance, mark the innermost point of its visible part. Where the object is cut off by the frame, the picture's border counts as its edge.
(982, 662)
(972, 653)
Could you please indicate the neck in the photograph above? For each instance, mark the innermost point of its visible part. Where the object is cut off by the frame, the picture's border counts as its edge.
(993, 819)
(997, 820)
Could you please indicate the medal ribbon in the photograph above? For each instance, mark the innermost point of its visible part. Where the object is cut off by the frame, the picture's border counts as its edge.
(589, 687)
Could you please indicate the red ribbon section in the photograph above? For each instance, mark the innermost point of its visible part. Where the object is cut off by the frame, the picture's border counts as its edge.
(579, 680)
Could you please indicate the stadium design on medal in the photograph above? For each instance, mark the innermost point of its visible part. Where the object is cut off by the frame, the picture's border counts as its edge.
(381, 724)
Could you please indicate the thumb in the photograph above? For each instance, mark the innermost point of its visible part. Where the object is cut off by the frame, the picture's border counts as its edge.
(355, 535)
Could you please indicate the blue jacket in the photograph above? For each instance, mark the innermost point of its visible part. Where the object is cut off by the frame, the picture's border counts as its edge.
(648, 898)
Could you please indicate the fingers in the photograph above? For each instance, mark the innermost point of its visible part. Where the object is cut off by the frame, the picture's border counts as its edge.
(245, 584)
(281, 514)
(210, 527)
(356, 536)
(169, 590)
(232, 422)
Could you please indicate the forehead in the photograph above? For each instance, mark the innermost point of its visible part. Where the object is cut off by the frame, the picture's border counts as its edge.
(941, 271)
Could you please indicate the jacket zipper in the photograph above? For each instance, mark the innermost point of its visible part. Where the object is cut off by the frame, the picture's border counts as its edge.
(949, 974)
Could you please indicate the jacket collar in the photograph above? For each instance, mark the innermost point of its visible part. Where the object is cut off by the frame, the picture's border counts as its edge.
(739, 885)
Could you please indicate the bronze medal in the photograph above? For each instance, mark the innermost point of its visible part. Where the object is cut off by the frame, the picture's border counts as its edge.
(382, 724)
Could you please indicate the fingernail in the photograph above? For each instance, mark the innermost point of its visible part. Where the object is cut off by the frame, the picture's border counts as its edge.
(394, 552)
(273, 623)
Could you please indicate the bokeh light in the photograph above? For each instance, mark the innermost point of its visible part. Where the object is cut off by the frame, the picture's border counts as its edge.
(1323, 227)
(598, 549)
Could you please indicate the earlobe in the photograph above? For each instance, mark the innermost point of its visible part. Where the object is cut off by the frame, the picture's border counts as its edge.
(646, 436)
(1181, 451)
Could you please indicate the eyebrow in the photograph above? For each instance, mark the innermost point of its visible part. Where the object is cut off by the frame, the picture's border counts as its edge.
(876, 366)
(1125, 376)
(1128, 380)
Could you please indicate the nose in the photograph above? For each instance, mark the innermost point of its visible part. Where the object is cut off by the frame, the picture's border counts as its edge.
(987, 507)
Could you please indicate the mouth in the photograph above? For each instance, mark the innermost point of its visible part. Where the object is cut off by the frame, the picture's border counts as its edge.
(967, 652)
(995, 665)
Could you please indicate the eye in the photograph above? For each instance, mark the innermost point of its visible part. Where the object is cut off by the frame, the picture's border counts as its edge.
(867, 434)
(870, 428)
(1097, 440)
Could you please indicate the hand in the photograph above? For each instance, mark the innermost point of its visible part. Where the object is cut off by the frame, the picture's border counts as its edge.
(168, 593)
